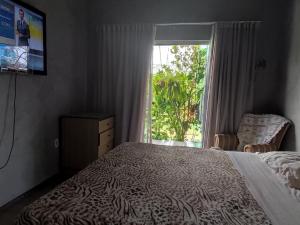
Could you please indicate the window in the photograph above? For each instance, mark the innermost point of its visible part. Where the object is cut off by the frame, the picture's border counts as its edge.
(178, 77)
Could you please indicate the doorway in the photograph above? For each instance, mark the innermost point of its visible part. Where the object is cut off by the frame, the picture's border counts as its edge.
(177, 89)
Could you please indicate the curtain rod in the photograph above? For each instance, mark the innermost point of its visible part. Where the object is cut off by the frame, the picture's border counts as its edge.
(206, 23)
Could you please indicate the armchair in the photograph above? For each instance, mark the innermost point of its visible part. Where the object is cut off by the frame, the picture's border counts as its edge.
(256, 133)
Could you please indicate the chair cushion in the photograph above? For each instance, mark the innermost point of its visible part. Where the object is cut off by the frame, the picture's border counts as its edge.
(259, 129)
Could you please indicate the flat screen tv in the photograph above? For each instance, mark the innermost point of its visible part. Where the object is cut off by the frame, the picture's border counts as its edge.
(22, 38)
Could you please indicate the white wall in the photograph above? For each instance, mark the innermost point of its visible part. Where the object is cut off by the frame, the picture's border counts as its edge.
(41, 100)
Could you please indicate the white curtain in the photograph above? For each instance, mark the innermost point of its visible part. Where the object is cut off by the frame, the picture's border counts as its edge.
(123, 69)
(229, 86)
(148, 117)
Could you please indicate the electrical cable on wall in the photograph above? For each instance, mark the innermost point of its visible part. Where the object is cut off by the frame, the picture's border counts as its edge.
(6, 111)
(14, 123)
(14, 112)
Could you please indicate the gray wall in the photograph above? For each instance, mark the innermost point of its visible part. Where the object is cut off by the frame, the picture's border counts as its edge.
(41, 100)
(270, 39)
(291, 82)
(271, 46)
(183, 33)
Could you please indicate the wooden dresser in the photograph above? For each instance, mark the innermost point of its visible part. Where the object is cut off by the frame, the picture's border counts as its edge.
(85, 137)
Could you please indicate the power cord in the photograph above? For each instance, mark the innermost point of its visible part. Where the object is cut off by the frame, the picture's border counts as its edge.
(14, 124)
(14, 110)
(6, 111)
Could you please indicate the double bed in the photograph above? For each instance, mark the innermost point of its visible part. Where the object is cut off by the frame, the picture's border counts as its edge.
(150, 184)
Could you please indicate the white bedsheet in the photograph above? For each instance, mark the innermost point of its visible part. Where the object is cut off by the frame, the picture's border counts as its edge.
(274, 197)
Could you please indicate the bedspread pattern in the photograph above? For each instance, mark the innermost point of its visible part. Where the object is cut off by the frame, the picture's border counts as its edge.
(148, 184)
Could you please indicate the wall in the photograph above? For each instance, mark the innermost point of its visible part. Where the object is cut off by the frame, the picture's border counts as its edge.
(166, 11)
(270, 37)
(183, 33)
(291, 78)
(271, 47)
(41, 100)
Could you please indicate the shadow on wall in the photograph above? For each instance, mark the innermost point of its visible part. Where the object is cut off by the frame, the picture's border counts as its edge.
(284, 96)
(289, 141)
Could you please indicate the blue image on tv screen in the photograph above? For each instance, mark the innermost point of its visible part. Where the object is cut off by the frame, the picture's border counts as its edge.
(14, 58)
(21, 38)
(7, 20)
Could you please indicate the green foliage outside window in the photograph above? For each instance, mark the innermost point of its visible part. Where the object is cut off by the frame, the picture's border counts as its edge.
(177, 92)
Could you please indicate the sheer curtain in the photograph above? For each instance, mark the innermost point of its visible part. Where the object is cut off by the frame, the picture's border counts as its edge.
(148, 117)
(229, 86)
(123, 65)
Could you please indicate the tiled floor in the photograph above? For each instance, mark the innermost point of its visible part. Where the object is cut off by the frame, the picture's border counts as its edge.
(177, 143)
(10, 211)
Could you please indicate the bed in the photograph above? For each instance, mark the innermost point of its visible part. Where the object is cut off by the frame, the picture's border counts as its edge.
(152, 184)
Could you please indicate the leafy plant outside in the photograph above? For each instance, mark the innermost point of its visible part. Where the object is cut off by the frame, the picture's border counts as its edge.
(178, 89)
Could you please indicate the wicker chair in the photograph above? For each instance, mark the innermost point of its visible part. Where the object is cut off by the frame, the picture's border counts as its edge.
(230, 142)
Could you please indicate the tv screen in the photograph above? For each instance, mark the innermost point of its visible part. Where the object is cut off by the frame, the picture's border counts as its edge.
(22, 38)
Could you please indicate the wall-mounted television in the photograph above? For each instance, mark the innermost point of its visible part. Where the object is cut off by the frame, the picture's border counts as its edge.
(22, 38)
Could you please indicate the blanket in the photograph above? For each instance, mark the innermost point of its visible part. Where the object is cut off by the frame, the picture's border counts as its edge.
(150, 184)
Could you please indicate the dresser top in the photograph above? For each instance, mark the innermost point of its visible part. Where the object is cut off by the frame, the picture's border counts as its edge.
(98, 116)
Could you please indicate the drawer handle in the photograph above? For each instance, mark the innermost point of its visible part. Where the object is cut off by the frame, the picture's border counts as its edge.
(108, 135)
(107, 124)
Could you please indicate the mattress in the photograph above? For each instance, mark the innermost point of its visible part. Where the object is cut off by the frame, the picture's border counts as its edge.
(151, 184)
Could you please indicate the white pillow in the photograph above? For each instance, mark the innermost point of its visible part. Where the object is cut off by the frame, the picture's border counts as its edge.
(285, 164)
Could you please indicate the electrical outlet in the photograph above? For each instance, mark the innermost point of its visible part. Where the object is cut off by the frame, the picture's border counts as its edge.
(56, 143)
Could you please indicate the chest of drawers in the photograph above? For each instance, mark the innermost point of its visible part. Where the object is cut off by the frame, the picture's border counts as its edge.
(85, 137)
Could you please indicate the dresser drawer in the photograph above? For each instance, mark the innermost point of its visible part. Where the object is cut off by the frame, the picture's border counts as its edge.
(106, 124)
(106, 136)
(104, 148)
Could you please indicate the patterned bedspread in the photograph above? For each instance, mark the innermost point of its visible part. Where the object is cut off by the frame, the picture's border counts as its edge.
(149, 184)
